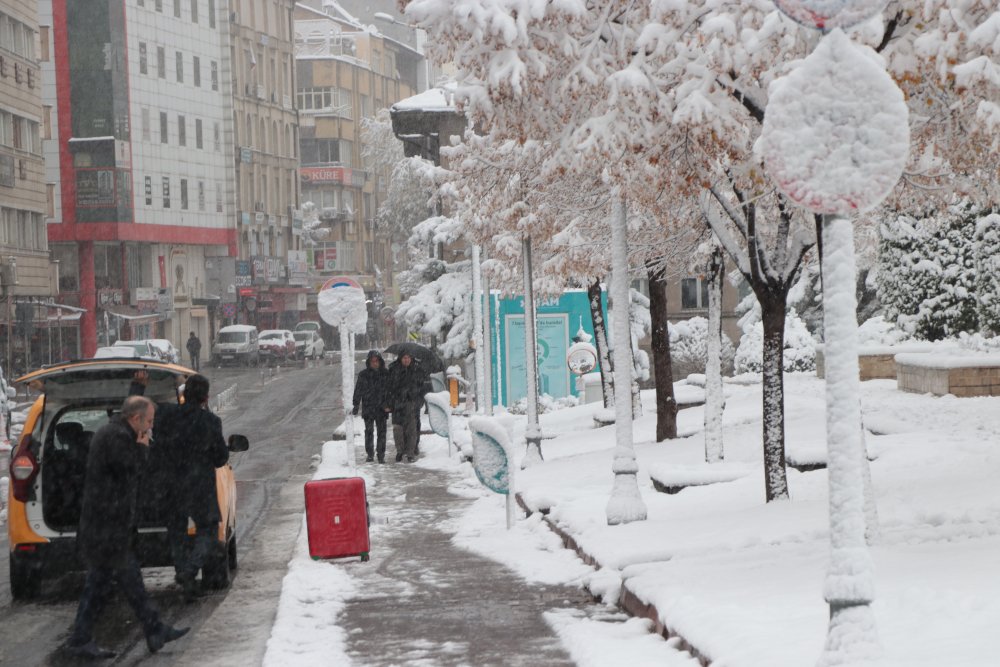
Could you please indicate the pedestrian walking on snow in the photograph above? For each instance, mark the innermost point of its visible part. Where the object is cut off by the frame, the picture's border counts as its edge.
(371, 392)
(107, 527)
(406, 390)
(194, 351)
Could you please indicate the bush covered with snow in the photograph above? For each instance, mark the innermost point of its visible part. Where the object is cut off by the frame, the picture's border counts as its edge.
(799, 350)
(689, 347)
(546, 404)
(927, 279)
(879, 331)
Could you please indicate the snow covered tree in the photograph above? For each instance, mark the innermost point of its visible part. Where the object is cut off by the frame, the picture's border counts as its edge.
(442, 307)
(987, 256)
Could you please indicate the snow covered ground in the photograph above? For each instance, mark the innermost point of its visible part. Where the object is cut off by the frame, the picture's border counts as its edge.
(738, 579)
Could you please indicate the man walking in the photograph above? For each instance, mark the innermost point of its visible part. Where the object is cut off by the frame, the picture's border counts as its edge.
(371, 392)
(107, 524)
(406, 395)
(189, 446)
(194, 351)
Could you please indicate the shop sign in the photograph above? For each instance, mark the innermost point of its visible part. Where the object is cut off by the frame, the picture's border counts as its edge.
(243, 276)
(245, 218)
(324, 174)
(109, 297)
(260, 218)
(246, 156)
(165, 298)
(258, 270)
(273, 269)
(95, 187)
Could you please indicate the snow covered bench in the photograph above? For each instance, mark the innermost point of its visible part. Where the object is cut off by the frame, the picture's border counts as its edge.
(875, 362)
(940, 374)
(806, 458)
(668, 478)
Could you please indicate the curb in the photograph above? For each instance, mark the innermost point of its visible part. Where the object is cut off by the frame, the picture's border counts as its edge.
(628, 601)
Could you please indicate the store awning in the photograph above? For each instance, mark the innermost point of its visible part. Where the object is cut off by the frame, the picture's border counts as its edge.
(131, 314)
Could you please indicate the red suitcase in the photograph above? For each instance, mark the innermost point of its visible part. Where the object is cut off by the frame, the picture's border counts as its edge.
(337, 518)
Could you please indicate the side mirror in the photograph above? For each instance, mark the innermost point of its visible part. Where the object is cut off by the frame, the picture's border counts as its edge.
(238, 443)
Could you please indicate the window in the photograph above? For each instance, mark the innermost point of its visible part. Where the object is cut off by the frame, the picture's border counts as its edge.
(211, 13)
(694, 294)
(194, 11)
(50, 200)
(218, 196)
(325, 151)
(144, 122)
(161, 62)
(215, 75)
(43, 40)
(142, 58)
(201, 195)
(163, 127)
(197, 133)
(196, 71)
(181, 130)
(184, 194)
(216, 137)
(159, 6)
(177, 9)
(180, 67)
(149, 190)
(166, 192)
(46, 121)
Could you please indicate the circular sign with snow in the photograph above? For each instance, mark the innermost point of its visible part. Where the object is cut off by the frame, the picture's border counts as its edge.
(343, 306)
(830, 14)
(836, 132)
(581, 358)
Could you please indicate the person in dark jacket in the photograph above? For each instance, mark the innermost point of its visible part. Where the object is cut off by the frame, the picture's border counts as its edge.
(107, 526)
(371, 392)
(194, 351)
(189, 446)
(406, 384)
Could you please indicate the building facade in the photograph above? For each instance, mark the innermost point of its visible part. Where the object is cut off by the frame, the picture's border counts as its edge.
(345, 73)
(271, 272)
(27, 275)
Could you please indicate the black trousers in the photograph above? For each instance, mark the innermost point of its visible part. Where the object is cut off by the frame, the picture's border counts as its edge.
(371, 424)
(188, 562)
(97, 588)
(196, 361)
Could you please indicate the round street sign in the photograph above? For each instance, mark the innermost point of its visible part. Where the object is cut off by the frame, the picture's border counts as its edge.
(830, 14)
(340, 281)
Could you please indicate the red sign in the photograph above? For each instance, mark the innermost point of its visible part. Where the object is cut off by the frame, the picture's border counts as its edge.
(325, 174)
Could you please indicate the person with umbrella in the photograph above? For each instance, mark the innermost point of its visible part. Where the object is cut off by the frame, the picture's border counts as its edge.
(406, 393)
(426, 362)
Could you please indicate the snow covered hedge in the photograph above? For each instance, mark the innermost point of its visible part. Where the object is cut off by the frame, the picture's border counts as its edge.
(689, 349)
(800, 348)
(546, 404)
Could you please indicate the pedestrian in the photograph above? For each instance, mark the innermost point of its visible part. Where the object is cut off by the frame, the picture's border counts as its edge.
(371, 392)
(189, 446)
(107, 525)
(406, 395)
(194, 351)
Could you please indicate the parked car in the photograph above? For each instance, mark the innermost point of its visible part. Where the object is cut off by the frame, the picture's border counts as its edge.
(49, 463)
(308, 344)
(277, 344)
(116, 352)
(165, 349)
(142, 348)
(236, 343)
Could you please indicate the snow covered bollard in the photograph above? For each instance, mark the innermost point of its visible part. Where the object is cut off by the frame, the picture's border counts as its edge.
(835, 141)
(492, 459)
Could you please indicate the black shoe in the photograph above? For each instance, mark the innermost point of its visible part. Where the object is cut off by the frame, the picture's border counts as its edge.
(381, 459)
(90, 651)
(411, 459)
(163, 635)
(189, 587)
(369, 458)
(399, 457)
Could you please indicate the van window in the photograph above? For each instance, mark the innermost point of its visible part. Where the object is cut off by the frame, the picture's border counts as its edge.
(233, 337)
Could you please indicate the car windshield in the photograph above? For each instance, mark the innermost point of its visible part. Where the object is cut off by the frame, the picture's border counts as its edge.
(301, 335)
(271, 335)
(140, 347)
(232, 337)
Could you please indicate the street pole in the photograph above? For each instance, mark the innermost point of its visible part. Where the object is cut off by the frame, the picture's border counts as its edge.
(532, 434)
(487, 349)
(346, 377)
(477, 330)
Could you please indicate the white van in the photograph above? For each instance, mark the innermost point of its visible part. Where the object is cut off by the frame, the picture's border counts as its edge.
(236, 343)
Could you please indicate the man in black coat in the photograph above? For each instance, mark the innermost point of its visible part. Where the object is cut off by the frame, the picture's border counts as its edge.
(406, 391)
(371, 391)
(107, 526)
(194, 351)
(189, 446)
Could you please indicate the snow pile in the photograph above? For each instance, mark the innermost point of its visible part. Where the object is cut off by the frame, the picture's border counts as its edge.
(799, 351)
(597, 643)
(836, 135)
(689, 347)
(878, 331)
(979, 343)
(547, 403)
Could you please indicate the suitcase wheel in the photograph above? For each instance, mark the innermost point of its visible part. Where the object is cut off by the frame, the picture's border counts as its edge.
(364, 558)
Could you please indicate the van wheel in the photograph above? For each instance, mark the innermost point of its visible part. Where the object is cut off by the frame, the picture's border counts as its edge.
(25, 580)
(215, 573)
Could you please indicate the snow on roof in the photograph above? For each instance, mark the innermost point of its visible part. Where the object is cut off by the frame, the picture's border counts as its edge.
(238, 327)
(435, 99)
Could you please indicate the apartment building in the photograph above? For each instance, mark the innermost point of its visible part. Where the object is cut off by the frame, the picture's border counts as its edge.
(345, 73)
(27, 275)
(271, 274)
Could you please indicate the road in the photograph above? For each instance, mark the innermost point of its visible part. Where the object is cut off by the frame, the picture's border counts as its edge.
(285, 419)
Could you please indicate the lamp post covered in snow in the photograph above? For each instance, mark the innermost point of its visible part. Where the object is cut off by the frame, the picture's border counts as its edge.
(835, 140)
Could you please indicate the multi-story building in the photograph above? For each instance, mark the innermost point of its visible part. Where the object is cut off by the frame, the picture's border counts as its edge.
(271, 276)
(27, 275)
(140, 163)
(345, 72)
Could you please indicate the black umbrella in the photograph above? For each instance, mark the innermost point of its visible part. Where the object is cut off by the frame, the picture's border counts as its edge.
(424, 355)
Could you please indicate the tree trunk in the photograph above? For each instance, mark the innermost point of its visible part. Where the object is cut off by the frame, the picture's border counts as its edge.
(601, 342)
(666, 403)
(714, 400)
(772, 311)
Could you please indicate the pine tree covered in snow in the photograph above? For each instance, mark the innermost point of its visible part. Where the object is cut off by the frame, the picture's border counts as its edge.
(443, 308)
(987, 254)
